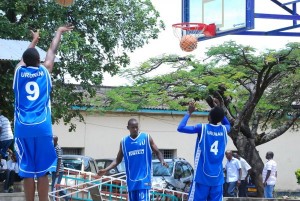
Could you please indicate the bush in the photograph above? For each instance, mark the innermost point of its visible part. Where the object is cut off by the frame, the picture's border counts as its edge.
(297, 173)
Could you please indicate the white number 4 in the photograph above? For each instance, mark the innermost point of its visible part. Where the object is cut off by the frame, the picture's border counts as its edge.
(214, 147)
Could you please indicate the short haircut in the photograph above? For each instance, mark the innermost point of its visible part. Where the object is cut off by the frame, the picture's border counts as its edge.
(216, 114)
(31, 57)
(271, 154)
(132, 121)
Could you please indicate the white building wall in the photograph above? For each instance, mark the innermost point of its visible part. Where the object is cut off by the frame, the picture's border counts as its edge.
(101, 134)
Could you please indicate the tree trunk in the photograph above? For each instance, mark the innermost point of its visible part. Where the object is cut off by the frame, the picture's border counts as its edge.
(247, 149)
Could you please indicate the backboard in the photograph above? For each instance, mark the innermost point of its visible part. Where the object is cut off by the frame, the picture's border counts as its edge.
(230, 16)
(238, 17)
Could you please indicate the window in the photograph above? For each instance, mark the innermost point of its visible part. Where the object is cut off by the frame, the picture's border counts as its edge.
(186, 171)
(167, 153)
(72, 151)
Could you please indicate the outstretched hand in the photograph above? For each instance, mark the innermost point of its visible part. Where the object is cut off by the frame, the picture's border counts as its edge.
(216, 102)
(35, 35)
(68, 27)
(192, 107)
(101, 172)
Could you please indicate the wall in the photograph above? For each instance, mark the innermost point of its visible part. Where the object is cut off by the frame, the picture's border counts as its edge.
(100, 137)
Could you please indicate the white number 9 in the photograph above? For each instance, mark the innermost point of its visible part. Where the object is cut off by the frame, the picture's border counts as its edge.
(32, 88)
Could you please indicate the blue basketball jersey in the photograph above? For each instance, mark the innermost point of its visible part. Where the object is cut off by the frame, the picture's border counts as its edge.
(32, 88)
(138, 161)
(210, 150)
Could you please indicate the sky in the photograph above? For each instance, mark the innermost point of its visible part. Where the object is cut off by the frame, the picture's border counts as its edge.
(167, 43)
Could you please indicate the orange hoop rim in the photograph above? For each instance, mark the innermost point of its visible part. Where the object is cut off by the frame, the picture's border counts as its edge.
(195, 28)
(188, 26)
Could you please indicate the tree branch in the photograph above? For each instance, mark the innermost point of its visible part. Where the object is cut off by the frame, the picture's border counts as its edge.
(264, 138)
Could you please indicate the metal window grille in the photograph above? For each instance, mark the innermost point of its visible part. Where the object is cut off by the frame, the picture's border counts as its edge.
(167, 153)
(72, 151)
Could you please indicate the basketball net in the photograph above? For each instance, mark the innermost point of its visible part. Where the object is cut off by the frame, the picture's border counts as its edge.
(195, 29)
(188, 33)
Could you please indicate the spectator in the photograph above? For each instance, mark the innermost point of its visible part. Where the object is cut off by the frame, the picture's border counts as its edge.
(233, 174)
(12, 174)
(269, 175)
(6, 136)
(58, 174)
(3, 168)
(246, 168)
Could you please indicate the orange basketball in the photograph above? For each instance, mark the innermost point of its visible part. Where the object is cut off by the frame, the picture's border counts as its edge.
(65, 2)
(188, 43)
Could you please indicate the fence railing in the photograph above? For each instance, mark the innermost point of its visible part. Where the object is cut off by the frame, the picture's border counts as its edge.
(85, 186)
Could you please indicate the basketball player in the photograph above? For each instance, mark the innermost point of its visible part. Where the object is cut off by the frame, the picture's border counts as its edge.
(209, 153)
(33, 127)
(137, 152)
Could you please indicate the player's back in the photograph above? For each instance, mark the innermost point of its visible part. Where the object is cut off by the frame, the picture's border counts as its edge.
(32, 87)
(210, 153)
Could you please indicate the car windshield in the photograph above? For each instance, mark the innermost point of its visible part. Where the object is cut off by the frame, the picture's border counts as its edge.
(72, 164)
(159, 170)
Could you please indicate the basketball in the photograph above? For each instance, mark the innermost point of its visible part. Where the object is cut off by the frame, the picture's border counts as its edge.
(65, 2)
(188, 43)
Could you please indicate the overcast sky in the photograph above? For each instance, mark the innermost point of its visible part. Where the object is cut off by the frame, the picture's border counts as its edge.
(167, 43)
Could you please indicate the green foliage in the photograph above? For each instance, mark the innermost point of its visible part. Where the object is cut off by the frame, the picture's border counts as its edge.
(105, 30)
(297, 173)
(249, 84)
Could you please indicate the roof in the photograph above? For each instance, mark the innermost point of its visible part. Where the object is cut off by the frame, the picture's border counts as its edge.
(13, 50)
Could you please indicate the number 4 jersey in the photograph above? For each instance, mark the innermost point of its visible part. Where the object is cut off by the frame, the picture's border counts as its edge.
(209, 150)
(32, 88)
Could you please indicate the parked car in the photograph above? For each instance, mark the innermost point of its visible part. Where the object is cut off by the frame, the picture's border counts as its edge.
(80, 163)
(104, 163)
(177, 176)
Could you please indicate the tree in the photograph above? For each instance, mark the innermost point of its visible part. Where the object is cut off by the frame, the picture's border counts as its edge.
(257, 91)
(105, 31)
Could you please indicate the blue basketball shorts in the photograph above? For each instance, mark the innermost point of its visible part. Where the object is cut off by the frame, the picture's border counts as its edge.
(139, 195)
(35, 155)
(200, 192)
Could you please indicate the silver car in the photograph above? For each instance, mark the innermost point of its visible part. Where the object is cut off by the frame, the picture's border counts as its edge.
(177, 176)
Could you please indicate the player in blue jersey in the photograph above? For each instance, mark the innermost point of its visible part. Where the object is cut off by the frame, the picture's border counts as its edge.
(136, 149)
(33, 126)
(209, 153)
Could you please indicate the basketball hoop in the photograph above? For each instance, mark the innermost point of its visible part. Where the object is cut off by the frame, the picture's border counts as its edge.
(188, 33)
(195, 29)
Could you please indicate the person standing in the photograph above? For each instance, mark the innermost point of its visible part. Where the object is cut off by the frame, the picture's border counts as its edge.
(33, 127)
(233, 174)
(6, 136)
(269, 175)
(136, 149)
(246, 168)
(3, 169)
(12, 174)
(209, 153)
(58, 174)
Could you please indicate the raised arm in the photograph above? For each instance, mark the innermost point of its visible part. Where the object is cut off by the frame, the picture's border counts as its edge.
(49, 61)
(35, 40)
(226, 123)
(116, 162)
(183, 128)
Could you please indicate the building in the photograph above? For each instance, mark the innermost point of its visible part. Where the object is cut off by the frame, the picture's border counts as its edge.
(101, 134)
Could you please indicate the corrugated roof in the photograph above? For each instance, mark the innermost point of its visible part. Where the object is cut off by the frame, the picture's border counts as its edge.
(13, 50)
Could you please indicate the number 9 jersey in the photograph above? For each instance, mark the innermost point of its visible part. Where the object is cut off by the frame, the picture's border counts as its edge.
(32, 87)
